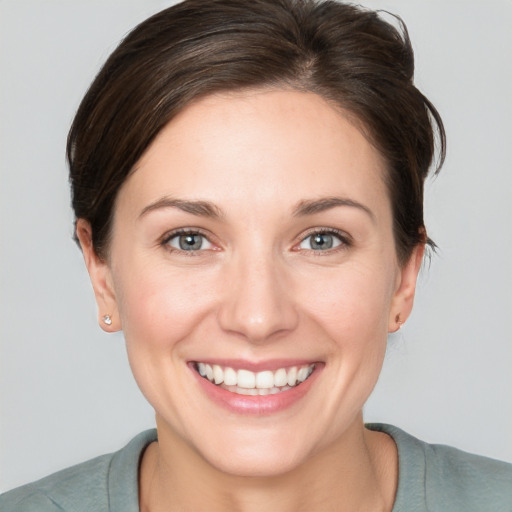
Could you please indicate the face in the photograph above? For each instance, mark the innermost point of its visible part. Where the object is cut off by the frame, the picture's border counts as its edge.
(253, 247)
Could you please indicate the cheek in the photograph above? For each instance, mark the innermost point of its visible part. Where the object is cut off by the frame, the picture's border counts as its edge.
(159, 306)
(352, 303)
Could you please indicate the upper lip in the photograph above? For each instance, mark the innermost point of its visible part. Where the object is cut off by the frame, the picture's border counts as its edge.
(256, 366)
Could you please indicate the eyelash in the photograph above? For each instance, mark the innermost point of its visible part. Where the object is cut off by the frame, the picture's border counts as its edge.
(344, 238)
(180, 232)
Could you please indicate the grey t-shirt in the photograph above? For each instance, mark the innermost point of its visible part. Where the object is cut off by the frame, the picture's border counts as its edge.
(433, 478)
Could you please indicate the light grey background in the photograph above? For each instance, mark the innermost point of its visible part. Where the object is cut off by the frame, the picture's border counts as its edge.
(66, 389)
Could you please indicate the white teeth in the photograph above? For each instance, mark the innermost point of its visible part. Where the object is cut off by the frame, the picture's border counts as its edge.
(201, 368)
(262, 383)
(230, 378)
(246, 379)
(280, 378)
(302, 374)
(254, 392)
(292, 376)
(218, 374)
(265, 380)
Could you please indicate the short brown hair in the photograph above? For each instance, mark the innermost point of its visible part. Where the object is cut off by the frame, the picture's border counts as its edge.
(346, 54)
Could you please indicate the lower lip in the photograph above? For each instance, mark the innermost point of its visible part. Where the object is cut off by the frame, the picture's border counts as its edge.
(256, 405)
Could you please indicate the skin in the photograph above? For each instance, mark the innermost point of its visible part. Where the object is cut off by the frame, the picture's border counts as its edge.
(256, 290)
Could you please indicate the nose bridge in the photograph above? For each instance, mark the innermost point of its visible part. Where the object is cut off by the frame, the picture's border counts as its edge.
(257, 303)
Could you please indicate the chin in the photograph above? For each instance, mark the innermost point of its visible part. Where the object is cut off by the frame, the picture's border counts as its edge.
(257, 461)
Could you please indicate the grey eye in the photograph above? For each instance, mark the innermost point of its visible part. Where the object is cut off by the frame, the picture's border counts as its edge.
(320, 242)
(189, 242)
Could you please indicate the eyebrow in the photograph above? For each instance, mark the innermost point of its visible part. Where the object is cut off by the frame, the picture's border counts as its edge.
(208, 209)
(200, 208)
(312, 206)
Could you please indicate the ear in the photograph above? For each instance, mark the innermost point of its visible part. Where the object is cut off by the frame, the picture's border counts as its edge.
(101, 279)
(403, 298)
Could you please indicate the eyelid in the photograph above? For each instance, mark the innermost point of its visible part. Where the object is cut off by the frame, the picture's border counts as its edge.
(169, 235)
(343, 236)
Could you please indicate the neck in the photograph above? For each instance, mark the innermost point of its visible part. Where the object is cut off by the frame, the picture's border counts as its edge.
(358, 472)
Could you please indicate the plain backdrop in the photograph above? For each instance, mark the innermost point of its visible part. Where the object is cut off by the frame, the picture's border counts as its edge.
(66, 389)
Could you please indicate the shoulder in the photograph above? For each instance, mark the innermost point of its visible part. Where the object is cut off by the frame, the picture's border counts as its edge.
(83, 484)
(479, 483)
(439, 477)
(91, 485)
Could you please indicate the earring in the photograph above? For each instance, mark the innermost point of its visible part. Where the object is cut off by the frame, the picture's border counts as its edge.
(399, 321)
(107, 319)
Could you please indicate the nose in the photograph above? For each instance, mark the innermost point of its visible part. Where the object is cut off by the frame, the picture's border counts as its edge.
(257, 301)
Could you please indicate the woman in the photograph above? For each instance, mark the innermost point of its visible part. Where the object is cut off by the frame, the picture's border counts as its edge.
(247, 182)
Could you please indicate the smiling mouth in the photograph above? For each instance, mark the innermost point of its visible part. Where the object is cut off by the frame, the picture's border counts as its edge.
(246, 382)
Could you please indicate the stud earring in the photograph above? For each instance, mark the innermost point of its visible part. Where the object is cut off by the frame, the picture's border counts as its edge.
(398, 320)
(107, 319)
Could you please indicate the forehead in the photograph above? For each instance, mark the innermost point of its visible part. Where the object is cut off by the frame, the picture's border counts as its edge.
(262, 147)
